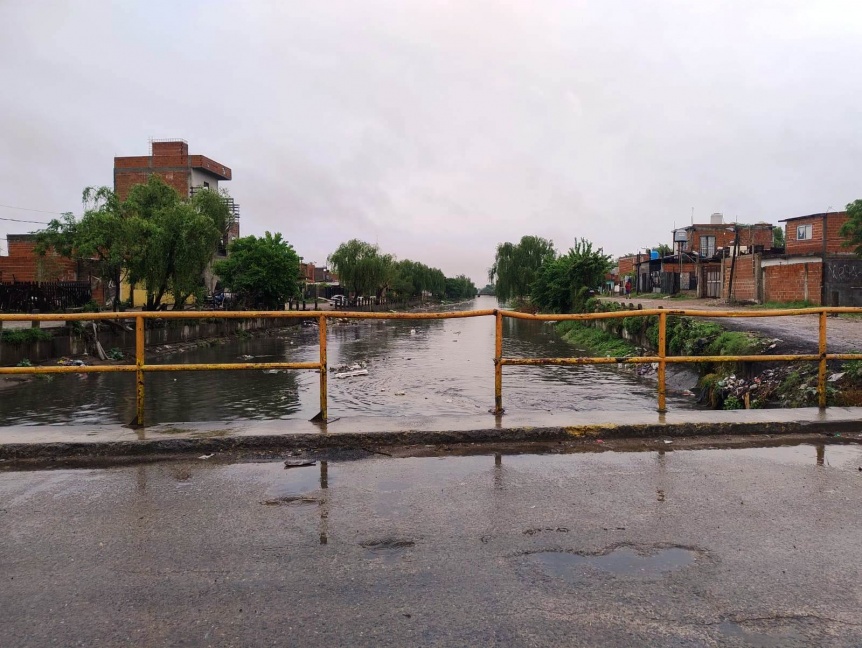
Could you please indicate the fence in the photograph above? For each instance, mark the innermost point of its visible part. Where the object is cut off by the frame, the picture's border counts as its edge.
(661, 358)
(29, 296)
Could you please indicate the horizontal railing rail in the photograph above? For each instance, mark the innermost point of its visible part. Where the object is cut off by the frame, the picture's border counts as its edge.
(660, 358)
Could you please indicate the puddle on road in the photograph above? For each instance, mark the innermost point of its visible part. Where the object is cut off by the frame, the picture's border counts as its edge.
(622, 561)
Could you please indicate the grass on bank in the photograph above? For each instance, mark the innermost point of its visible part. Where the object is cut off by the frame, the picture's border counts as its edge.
(24, 336)
(595, 340)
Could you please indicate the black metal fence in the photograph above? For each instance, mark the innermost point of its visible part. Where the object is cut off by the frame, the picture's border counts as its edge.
(44, 296)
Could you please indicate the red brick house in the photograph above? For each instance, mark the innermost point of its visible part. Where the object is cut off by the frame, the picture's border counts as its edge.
(816, 266)
(24, 264)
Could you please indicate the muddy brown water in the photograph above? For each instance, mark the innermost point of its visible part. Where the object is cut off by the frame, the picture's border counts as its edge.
(415, 368)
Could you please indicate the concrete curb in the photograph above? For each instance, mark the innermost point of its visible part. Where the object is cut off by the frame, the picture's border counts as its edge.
(362, 440)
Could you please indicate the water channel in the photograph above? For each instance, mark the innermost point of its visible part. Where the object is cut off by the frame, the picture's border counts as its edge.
(415, 368)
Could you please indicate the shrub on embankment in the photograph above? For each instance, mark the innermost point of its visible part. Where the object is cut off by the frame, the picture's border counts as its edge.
(688, 336)
(727, 385)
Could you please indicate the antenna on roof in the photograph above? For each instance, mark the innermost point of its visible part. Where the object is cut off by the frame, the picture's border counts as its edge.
(692, 215)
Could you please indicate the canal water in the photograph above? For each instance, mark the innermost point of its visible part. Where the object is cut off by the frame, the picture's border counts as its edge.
(415, 368)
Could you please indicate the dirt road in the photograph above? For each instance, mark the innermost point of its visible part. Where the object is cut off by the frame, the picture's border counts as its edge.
(798, 333)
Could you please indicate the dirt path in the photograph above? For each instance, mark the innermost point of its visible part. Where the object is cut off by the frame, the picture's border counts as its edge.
(798, 333)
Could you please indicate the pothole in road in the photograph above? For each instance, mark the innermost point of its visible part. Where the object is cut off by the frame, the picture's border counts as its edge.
(387, 550)
(290, 500)
(388, 543)
(624, 560)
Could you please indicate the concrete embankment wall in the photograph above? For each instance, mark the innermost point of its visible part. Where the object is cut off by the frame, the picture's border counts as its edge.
(65, 342)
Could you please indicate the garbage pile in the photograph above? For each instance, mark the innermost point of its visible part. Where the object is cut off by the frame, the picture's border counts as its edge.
(350, 370)
(759, 388)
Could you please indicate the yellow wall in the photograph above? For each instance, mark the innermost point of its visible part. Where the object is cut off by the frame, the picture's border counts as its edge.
(141, 295)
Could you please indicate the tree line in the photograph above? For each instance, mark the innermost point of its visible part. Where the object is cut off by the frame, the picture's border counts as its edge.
(532, 273)
(162, 242)
(364, 271)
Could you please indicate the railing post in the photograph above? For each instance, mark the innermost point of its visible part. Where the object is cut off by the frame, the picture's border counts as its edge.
(821, 370)
(139, 372)
(322, 414)
(498, 363)
(662, 351)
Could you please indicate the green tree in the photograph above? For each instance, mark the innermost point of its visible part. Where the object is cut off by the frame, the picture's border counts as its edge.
(261, 271)
(154, 238)
(778, 237)
(460, 287)
(563, 285)
(171, 241)
(516, 266)
(100, 237)
(663, 249)
(852, 229)
(362, 268)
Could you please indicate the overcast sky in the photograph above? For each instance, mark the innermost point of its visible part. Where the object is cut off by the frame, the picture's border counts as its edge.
(438, 129)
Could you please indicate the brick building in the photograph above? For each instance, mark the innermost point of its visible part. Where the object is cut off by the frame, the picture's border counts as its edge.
(23, 264)
(815, 266)
(815, 234)
(170, 160)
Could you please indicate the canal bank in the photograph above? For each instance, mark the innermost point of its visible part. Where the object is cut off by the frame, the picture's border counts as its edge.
(732, 385)
(208, 439)
(410, 369)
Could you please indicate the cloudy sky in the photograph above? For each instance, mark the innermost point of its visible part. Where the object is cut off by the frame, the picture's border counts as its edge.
(438, 129)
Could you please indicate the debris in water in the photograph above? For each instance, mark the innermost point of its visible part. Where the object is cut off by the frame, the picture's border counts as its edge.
(209, 456)
(667, 441)
(352, 374)
(298, 463)
(400, 393)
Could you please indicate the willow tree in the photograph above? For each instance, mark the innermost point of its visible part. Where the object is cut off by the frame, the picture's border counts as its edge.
(171, 240)
(361, 268)
(516, 266)
(99, 237)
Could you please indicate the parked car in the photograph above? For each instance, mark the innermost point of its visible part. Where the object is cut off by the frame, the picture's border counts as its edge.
(339, 301)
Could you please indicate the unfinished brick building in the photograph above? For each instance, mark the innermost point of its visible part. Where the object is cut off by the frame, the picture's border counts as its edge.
(170, 160)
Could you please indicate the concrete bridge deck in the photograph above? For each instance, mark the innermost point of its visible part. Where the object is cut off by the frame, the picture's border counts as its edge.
(58, 441)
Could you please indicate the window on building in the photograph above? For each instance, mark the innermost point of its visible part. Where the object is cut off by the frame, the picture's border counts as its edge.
(803, 233)
(206, 185)
(707, 246)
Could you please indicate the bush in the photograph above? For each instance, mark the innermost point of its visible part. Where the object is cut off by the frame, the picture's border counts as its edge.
(732, 403)
(24, 336)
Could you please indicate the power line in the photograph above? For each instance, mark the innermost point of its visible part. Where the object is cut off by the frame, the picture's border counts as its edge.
(19, 220)
(39, 211)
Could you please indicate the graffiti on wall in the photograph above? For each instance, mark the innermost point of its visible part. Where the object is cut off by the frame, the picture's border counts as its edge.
(844, 272)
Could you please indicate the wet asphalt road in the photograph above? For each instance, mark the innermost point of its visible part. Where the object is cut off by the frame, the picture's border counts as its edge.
(745, 547)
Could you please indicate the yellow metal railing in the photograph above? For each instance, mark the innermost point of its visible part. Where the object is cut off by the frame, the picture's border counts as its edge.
(661, 359)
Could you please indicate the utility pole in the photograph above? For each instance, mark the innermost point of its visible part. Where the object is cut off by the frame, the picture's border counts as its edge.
(733, 262)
